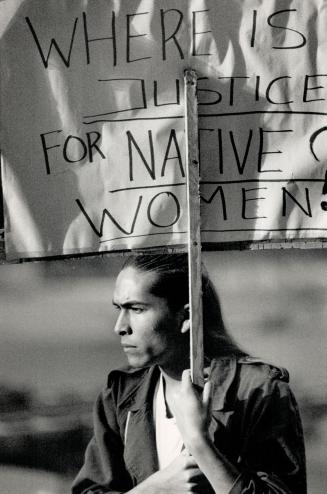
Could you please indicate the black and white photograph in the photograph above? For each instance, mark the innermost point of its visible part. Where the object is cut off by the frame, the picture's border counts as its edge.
(163, 219)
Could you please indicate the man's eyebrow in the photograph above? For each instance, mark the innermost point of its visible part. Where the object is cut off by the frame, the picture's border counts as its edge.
(130, 303)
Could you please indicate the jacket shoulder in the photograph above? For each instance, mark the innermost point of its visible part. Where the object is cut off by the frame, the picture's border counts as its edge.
(265, 370)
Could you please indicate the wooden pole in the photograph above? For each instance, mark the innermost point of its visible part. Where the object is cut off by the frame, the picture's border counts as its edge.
(194, 232)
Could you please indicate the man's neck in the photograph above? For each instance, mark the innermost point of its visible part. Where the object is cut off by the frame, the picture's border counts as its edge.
(172, 378)
(174, 365)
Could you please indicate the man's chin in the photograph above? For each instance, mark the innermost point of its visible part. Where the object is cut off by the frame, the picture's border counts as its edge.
(137, 362)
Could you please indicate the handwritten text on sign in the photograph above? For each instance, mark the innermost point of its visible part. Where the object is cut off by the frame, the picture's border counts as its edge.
(93, 120)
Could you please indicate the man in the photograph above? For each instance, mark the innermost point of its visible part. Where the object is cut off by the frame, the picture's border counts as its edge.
(153, 433)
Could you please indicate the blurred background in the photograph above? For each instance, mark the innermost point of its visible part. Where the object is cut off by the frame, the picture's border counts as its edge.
(57, 346)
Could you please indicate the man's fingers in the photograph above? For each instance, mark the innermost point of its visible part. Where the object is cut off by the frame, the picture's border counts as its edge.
(186, 379)
(187, 384)
(206, 395)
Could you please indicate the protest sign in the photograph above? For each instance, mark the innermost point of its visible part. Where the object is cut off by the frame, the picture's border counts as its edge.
(92, 122)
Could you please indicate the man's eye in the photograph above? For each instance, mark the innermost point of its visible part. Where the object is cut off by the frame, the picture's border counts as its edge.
(137, 310)
(116, 307)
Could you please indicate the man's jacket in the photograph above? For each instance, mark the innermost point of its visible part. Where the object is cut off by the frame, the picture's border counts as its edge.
(254, 423)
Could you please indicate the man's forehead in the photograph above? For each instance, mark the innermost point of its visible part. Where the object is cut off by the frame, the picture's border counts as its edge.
(133, 284)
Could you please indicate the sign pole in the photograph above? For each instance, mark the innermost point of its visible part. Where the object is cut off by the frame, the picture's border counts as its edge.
(194, 224)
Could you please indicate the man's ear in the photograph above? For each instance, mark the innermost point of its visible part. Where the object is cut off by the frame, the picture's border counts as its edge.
(186, 319)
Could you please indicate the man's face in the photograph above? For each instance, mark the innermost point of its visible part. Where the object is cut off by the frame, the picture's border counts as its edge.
(149, 329)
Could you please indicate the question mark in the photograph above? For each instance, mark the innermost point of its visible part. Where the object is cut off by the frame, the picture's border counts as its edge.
(314, 136)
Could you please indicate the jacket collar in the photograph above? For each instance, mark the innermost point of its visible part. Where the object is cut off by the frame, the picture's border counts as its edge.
(140, 448)
(145, 391)
(222, 375)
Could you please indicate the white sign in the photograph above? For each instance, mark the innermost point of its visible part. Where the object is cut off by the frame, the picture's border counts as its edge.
(92, 122)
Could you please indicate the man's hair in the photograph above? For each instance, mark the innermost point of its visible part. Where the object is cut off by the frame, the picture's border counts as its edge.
(172, 284)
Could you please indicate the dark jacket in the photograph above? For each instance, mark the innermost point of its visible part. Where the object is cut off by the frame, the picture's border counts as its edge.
(255, 424)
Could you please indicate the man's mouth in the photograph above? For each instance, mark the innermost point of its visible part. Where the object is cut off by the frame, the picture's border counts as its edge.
(127, 346)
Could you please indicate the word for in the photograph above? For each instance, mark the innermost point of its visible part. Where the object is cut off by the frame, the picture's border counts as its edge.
(172, 26)
(74, 149)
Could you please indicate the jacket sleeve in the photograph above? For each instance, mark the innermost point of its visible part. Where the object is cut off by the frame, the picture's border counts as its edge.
(272, 459)
(104, 468)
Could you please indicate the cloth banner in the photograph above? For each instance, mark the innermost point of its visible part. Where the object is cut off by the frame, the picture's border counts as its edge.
(92, 122)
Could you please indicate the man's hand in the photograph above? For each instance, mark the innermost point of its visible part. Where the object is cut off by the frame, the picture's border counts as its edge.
(181, 476)
(191, 411)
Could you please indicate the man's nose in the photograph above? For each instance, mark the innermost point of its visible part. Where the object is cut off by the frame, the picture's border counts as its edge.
(122, 325)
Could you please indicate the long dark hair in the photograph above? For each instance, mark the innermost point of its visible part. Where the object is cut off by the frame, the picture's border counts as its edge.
(172, 284)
